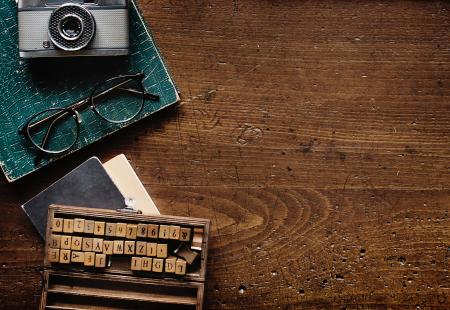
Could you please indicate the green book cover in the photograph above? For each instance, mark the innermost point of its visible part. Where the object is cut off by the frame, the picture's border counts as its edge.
(30, 86)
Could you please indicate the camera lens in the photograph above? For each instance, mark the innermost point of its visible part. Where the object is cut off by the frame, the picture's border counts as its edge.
(71, 27)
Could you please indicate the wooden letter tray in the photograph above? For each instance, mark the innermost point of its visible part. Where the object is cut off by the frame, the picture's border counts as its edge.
(103, 259)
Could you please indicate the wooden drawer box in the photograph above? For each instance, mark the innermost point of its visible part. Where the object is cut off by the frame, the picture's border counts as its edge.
(103, 259)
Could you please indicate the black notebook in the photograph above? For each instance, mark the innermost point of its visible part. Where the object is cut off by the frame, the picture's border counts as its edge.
(88, 185)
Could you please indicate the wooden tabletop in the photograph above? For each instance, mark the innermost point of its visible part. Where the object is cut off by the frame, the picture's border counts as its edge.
(314, 134)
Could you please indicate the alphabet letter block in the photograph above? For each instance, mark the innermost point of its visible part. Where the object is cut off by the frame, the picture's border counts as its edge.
(141, 248)
(174, 232)
(142, 230)
(161, 250)
(88, 227)
(89, 259)
(110, 229)
(55, 241)
(68, 226)
(77, 257)
(158, 265)
(99, 228)
(57, 225)
(76, 243)
(170, 265)
(64, 256)
(180, 267)
(78, 225)
(153, 231)
(98, 245)
(121, 229)
(53, 255)
(131, 231)
(100, 260)
(136, 263)
(151, 249)
(164, 231)
(108, 247)
(118, 247)
(129, 247)
(88, 244)
(185, 234)
(66, 242)
(146, 264)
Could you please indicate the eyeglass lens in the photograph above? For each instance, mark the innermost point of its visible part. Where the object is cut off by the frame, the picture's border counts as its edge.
(118, 100)
(57, 134)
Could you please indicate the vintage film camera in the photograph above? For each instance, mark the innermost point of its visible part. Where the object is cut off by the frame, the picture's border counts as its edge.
(62, 28)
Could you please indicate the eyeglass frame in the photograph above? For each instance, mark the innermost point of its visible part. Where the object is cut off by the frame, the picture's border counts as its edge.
(83, 103)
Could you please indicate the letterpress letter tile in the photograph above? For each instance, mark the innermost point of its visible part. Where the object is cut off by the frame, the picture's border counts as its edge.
(141, 248)
(158, 265)
(100, 260)
(180, 267)
(108, 247)
(88, 227)
(129, 247)
(118, 247)
(97, 245)
(152, 231)
(185, 234)
(99, 228)
(146, 264)
(136, 263)
(170, 265)
(88, 244)
(161, 250)
(174, 232)
(89, 258)
(77, 257)
(53, 255)
(121, 229)
(57, 225)
(78, 225)
(64, 256)
(110, 229)
(77, 242)
(68, 226)
(55, 241)
(66, 242)
(164, 231)
(151, 249)
(131, 231)
(142, 230)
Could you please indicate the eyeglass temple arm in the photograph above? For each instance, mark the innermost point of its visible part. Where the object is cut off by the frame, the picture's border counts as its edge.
(50, 127)
(75, 106)
(39, 157)
(146, 94)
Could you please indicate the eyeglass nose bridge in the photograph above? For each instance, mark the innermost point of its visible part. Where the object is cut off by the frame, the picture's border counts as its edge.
(140, 76)
(78, 117)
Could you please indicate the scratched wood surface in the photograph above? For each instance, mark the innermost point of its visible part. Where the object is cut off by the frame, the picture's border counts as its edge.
(314, 134)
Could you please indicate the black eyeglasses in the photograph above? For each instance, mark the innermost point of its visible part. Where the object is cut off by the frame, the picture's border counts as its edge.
(116, 100)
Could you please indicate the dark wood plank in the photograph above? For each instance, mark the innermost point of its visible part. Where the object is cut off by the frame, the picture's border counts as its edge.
(316, 137)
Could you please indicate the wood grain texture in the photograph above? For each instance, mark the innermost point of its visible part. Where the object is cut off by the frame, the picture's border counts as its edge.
(314, 134)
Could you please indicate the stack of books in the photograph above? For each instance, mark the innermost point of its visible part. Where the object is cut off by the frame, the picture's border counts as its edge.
(112, 185)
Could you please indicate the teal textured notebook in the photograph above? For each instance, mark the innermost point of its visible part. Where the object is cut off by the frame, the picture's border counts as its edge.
(30, 86)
